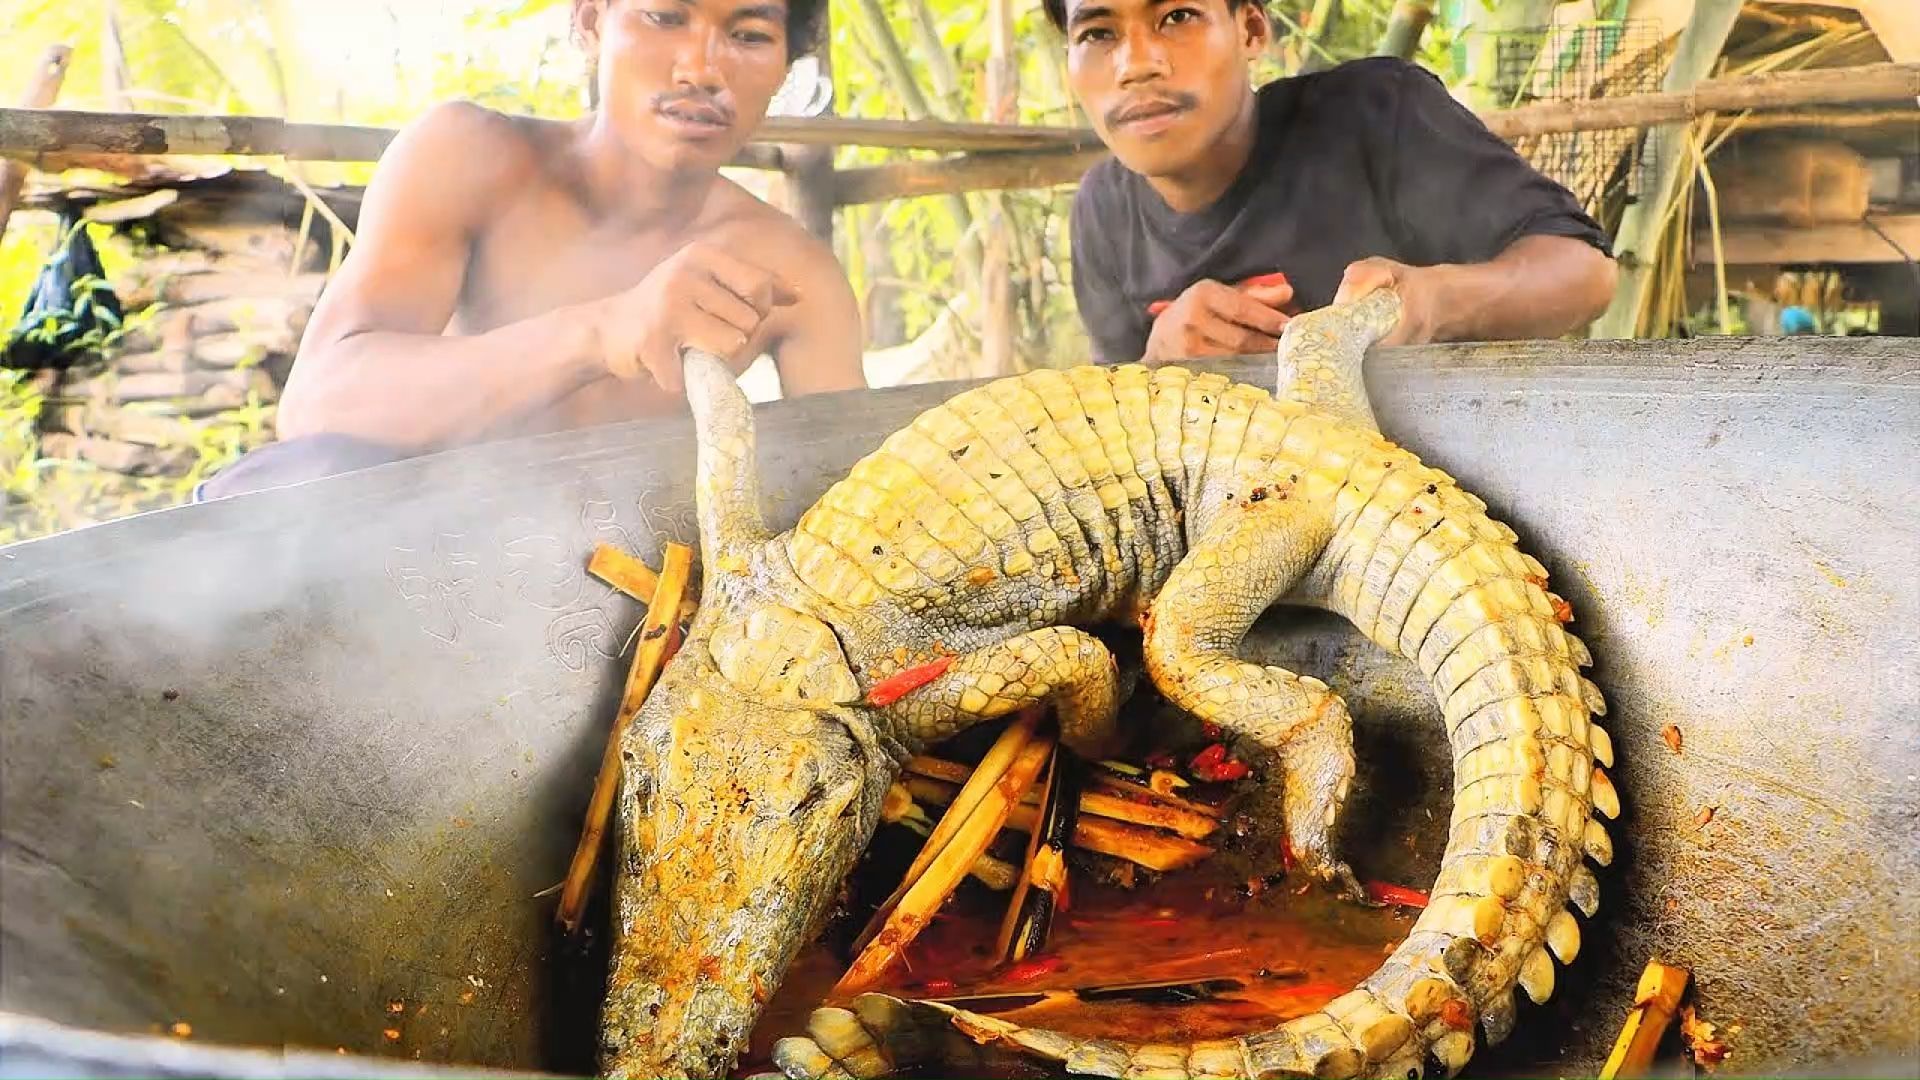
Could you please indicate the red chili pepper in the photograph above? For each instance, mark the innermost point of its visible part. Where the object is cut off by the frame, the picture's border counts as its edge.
(894, 687)
(1209, 758)
(1213, 764)
(1224, 772)
(939, 986)
(1385, 893)
(1162, 760)
(1031, 969)
(1211, 731)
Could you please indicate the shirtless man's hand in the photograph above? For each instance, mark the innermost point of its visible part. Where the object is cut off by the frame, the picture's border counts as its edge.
(1216, 319)
(701, 298)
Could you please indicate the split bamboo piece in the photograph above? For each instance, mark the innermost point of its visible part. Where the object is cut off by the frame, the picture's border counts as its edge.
(1165, 812)
(898, 808)
(1144, 847)
(1654, 1003)
(992, 767)
(1042, 891)
(924, 895)
(657, 638)
(631, 576)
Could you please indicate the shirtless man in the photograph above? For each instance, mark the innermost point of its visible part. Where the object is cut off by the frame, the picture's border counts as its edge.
(515, 275)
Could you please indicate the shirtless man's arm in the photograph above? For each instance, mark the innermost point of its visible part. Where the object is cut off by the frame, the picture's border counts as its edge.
(375, 362)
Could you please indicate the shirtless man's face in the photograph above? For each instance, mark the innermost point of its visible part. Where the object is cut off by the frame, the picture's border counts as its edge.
(685, 82)
(1162, 80)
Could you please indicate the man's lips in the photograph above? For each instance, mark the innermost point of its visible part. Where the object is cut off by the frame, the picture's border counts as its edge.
(1146, 114)
(696, 117)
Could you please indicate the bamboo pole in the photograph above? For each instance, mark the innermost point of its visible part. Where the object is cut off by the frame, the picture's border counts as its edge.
(1405, 27)
(42, 89)
(1641, 225)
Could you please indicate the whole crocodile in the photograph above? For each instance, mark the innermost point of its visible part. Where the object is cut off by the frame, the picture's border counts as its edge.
(952, 577)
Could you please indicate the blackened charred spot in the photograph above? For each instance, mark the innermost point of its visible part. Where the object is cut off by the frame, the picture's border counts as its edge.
(1433, 489)
(960, 453)
(653, 632)
(878, 550)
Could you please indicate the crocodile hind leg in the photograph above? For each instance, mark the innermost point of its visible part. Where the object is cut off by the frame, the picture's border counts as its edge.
(1069, 667)
(1249, 558)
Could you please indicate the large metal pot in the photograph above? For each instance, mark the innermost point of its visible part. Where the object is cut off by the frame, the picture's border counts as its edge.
(274, 765)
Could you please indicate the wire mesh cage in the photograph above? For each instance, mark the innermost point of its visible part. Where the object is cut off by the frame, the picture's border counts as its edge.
(1575, 61)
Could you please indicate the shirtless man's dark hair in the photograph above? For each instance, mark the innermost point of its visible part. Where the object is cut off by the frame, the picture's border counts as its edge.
(514, 274)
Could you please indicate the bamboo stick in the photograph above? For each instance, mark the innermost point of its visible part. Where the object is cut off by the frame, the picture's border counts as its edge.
(648, 659)
(1164, 813)
(1654, 1003)
(1042, 891)
(999, 758)
(930, 890)
(1105, 836)
(631, 576)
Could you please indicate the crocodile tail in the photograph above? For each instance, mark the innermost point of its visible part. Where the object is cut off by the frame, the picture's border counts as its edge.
(1423, 571)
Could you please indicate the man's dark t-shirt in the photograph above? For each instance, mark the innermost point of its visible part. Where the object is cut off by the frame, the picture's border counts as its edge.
(1369, 158)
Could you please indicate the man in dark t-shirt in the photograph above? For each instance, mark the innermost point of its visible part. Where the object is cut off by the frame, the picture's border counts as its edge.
(1225, 209)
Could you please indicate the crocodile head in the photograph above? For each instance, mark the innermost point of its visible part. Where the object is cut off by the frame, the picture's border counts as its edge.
(752, 780)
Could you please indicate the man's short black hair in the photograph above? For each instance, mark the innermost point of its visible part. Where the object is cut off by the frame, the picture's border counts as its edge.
(803, 22)
(1057, 10)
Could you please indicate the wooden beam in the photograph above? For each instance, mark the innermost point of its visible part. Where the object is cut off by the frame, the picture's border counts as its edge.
(965, 172)
(1644, 221)
(41, 91)
(1847, 242)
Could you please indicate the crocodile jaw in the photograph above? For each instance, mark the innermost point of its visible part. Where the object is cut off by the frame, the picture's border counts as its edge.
(738, 822)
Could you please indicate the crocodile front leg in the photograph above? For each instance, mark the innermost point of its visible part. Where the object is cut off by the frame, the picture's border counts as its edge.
(1259, 548)
(1069, 666)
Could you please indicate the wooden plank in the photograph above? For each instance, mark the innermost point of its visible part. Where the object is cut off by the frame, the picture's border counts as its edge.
(1851, 242)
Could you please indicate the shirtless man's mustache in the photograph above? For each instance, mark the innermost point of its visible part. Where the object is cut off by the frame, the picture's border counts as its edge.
(699, 106)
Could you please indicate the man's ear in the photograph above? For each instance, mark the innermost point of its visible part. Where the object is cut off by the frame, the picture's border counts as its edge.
(586, 24)
(1256, 29)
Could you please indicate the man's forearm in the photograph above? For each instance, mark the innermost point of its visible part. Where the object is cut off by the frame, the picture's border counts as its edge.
(424, 390)
(1539, 287)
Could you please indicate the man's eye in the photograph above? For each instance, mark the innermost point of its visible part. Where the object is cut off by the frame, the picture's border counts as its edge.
(1180, 15)
(753, 37)
(1096, 33)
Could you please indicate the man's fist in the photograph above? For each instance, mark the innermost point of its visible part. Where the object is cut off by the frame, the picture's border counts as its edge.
(1419, 288)
(1214, 319)
(698, 298)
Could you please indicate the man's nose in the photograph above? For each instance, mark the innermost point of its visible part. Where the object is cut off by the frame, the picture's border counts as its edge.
(1142, 57)
(696, 61)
